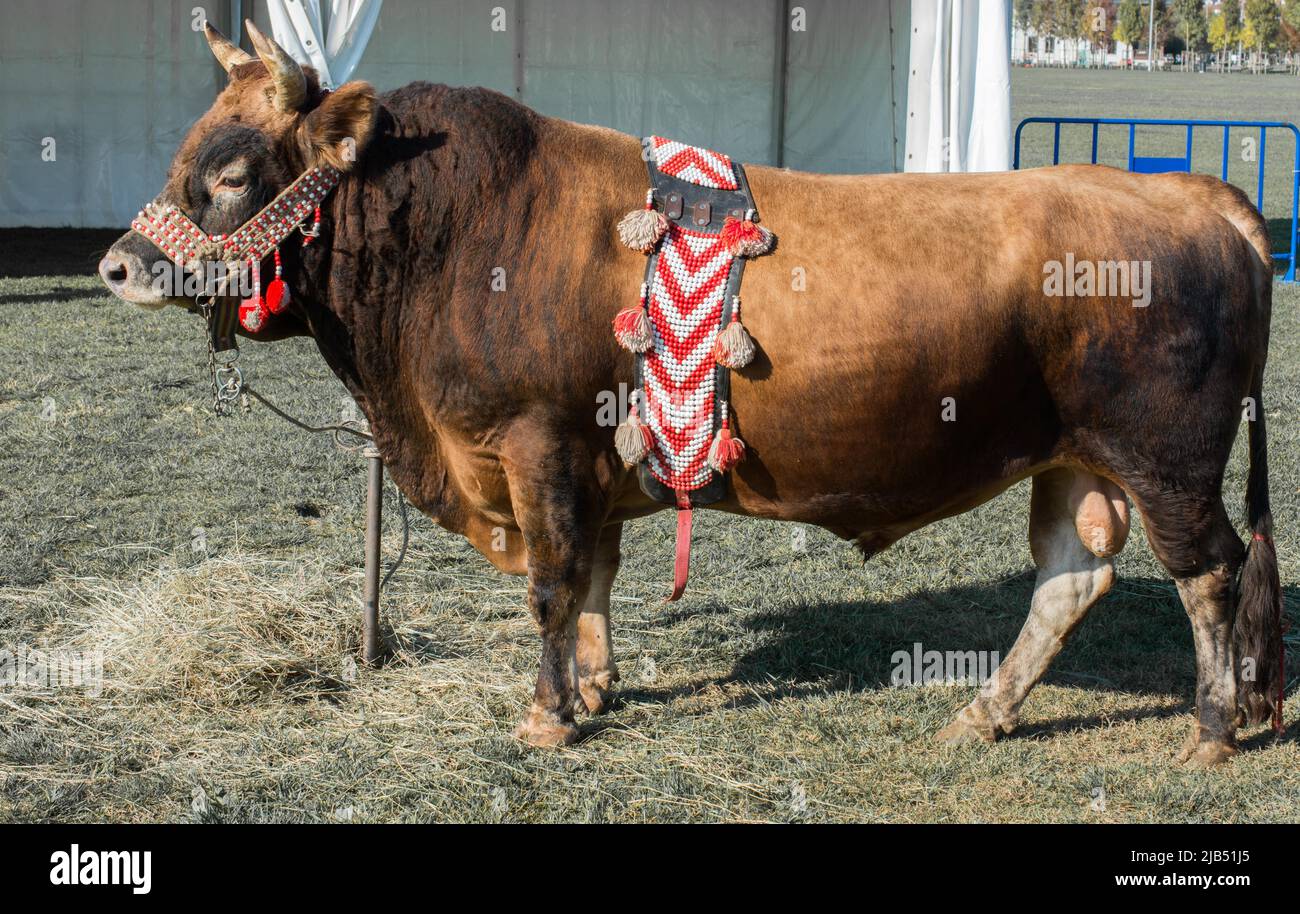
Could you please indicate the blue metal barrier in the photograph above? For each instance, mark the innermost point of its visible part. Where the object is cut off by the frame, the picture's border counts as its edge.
(1158, 164)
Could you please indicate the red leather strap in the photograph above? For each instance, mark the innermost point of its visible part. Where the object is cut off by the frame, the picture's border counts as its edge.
(682, 562)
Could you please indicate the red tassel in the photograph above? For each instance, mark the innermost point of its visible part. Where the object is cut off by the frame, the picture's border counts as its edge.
(252, 311)
(277, 293)
(252, 314)
(727, 449)
(277, 296)
(632, 330)
(743, 238)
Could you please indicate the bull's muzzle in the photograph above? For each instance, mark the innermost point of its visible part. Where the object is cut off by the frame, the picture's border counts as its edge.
(126, 272)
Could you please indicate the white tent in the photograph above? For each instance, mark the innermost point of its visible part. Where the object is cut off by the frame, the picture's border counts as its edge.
(95, 97)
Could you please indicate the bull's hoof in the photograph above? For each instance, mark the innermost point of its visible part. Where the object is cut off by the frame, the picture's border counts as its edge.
(969, 726)
(1208, 754)
(546, 730)
(595, 691)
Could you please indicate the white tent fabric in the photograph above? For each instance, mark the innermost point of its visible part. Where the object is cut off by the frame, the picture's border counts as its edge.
(818, 85)
(94, 100)
(959, 86)
(331, 43)
(703, 71)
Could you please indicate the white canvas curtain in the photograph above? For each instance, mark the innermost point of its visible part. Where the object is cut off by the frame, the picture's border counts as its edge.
(331, 40)
(96, 96)
(959, 86)
(94, 100)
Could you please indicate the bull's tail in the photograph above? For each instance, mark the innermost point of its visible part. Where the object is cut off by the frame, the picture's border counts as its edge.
(1257, 631)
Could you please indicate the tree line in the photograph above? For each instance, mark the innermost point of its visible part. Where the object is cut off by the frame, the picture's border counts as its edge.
(1192, 28)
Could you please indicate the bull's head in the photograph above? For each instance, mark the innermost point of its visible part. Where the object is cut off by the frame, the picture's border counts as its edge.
(271, 123)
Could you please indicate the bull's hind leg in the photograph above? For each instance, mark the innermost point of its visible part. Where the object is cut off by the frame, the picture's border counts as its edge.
(597, 671)
(1068, 508)
(1194, 539)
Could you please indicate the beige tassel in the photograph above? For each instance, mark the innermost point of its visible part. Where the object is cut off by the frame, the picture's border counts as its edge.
(641, 229)
(734, 348)
(632, 327)
(633, 440)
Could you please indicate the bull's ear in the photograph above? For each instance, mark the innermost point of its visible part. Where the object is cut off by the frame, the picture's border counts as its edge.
(337, 131)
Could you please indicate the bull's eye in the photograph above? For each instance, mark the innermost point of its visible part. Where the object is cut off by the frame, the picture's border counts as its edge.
(231, 183)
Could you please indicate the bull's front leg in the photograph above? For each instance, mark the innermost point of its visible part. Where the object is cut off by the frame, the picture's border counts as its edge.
(559, 514)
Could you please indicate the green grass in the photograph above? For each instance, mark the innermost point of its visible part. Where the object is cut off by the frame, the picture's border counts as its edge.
(231, 693)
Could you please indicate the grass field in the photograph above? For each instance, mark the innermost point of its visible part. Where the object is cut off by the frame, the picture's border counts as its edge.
(217, 566)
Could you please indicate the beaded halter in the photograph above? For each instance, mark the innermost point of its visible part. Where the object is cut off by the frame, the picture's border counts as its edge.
(698, 226)
(176, 235)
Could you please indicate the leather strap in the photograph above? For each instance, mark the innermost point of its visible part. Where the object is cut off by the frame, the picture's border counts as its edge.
(225, 317)
(682, 561)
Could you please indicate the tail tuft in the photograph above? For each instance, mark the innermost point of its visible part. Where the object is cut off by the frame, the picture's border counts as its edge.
(1257, 629)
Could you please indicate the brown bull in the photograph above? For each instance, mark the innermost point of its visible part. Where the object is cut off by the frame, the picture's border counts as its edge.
(923, 371)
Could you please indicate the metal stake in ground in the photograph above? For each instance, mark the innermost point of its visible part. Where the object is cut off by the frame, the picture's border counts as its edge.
(370, 650)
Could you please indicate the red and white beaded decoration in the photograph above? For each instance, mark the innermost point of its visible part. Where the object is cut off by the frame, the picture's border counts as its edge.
(693, 163)
(677, 331)
(171, 231)
(263, 233)
(176, 235)
(687, 294)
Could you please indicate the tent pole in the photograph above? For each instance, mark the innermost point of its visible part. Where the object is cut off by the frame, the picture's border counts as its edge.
(519, 50)
(782, 71)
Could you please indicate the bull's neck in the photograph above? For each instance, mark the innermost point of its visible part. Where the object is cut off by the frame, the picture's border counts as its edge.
(420, 225)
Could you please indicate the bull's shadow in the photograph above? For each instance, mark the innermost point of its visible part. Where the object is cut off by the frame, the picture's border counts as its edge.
(1137, 639)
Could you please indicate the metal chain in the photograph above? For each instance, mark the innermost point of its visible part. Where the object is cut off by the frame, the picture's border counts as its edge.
(348, 427)
(227, 378)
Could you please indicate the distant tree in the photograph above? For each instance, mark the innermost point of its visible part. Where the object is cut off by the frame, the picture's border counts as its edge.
(1044, 22)
(1070, 22)
(1130, 26)
(1263, 25)
(1023, 13)
(1291, 34)
(1232, 20)
(1224, 29)
(1100, 26)
(1023, 17)
(1192, 27)
(1164, 24)
(1232, 14)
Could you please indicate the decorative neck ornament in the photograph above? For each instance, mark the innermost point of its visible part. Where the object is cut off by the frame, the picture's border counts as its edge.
(698, 227)
(179, 238)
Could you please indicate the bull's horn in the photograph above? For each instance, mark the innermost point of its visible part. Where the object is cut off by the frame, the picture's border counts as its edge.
(290, 84)
(227, 54)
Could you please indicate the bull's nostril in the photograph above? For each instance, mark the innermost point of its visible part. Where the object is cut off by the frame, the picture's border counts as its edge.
(113, 270)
